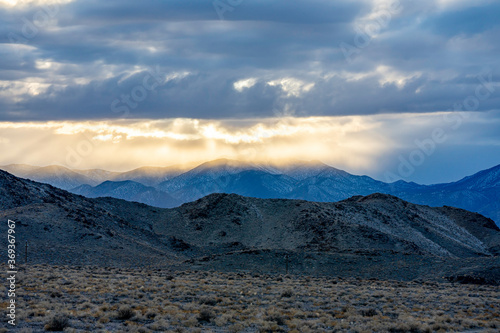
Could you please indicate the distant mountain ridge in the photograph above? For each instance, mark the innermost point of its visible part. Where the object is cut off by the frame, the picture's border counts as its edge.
(313, 181)
(128, 190)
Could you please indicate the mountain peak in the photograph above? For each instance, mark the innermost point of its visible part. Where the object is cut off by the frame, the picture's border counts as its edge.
(375, 197)
(223, 162)
(485, 178)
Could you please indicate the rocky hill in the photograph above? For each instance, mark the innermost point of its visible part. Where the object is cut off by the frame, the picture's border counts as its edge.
(66, 228)
(378, 222)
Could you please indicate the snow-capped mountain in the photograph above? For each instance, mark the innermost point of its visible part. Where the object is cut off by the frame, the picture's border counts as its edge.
(150, 176)
(227, 176)
(59, 176)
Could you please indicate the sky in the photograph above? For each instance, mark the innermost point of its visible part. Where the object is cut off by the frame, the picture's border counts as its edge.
(392, 89)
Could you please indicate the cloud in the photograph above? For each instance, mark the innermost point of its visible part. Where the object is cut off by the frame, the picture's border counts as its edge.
(264, 59)
(243, 84)
(291, 86)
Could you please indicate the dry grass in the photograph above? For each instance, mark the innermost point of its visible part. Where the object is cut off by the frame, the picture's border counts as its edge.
(119, 300)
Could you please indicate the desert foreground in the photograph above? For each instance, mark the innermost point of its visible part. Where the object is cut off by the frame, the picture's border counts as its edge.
(92, 299)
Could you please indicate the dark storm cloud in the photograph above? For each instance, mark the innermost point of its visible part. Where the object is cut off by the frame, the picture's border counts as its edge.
(90, 54)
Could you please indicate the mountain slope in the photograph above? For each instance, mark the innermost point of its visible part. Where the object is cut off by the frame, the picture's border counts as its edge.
(64, 228)
(377, 222)
(489, 178)
(58, 176)
(478, 193)
(98, 175)
(150, 176)
(211, 177)
(19, 170)
(130, 191)
(66, 178)
(334, 185)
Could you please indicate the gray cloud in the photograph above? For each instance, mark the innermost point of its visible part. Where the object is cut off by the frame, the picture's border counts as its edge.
(92, 52)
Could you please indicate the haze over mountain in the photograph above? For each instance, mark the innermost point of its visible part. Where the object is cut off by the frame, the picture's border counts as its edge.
(313, 181)
(53, 175)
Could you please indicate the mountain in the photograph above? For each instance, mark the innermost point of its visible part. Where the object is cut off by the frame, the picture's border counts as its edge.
(64, 228)
(150, 176)
(377, 222)
(218, 176)
(20, 170)
(479, 193)
(306, 180)
(58, 176)
(97, 176)
(332, 185)
(300, 180)
(361, 236)
(489, 178)
(316, 181)
(130, 191)
(70, 178)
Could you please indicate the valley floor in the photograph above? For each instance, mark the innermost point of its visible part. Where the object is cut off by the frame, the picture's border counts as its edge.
(87, 299)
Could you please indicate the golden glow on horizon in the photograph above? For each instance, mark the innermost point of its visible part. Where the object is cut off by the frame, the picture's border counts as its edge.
(194, 129)
(350, 142)
(8, 2)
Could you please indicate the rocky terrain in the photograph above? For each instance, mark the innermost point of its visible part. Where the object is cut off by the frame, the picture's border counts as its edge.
(313, 181)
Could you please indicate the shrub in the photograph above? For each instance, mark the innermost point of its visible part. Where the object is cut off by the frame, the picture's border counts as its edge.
(206, 315)
(277, 318)
(57, 323)
(124, 313)
(368, 312)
